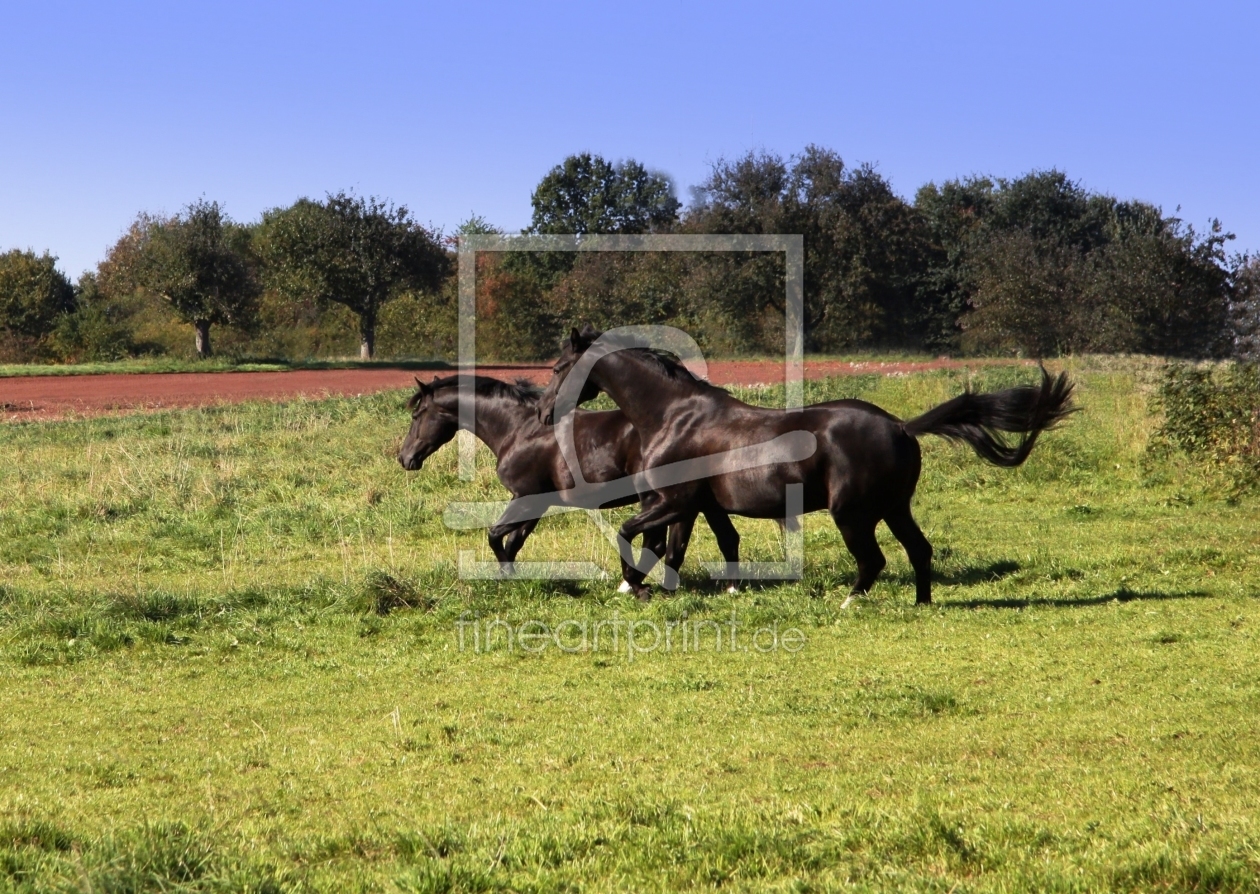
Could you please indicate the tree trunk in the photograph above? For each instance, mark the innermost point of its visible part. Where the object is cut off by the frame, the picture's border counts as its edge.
(367, 339)
(203, 338)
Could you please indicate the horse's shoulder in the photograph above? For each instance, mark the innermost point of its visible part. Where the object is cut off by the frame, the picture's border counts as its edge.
(604, 424)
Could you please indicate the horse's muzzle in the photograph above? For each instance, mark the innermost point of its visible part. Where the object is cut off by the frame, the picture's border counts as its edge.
(411, 463)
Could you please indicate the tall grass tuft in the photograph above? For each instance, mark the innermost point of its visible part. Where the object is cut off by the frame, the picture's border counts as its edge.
(159, 858)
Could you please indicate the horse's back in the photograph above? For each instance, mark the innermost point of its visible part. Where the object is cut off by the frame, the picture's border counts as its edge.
(858, 406)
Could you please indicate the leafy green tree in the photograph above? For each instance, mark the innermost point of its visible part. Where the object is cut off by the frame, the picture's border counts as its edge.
(610, 288)
(995, 235)
(33, 294)
(425, 324)
(953, 214)
(587, 194)
(864, 246)
(1023, 295)
(198, 262)
(476, 225)
(1051, 208)
(352, 251)
(1245, 308)
(584, 194)
(1039, 266)
(1164, 287)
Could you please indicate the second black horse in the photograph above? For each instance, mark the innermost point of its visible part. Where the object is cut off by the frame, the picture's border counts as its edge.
(530, 461)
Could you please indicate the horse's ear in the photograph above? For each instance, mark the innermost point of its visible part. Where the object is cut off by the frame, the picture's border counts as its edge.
(575, 338)
(590, 333)
(420, 386)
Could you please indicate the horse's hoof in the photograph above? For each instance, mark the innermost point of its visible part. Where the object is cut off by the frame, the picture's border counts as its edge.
(732, 589)
(643, 594)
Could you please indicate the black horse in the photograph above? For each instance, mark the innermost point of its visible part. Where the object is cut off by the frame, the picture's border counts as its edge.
(703, 448)
(530, 461)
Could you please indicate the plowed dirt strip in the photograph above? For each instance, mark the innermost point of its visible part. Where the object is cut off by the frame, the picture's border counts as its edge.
(55, 397)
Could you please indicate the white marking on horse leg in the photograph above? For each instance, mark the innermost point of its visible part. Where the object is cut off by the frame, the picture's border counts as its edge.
(625, 587)
(732, 589)
(848, 601)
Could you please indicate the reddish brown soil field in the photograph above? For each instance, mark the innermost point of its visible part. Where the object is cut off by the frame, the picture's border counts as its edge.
(55, 397)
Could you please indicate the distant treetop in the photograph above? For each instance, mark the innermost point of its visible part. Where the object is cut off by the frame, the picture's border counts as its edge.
(587, 194)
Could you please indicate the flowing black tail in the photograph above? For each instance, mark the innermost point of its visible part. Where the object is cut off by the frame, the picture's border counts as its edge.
(977, 418)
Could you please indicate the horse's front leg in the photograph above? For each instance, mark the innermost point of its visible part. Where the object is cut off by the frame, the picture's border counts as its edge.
(508, 536)
(658, 511)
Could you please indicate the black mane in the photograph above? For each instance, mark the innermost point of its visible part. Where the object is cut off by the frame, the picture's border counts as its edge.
(522, 391)
(672, 366)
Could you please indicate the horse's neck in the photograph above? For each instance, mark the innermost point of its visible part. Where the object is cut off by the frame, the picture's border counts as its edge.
(637, 384)
(495, 419)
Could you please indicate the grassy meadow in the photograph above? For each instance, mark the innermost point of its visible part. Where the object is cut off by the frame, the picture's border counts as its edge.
(230, 659)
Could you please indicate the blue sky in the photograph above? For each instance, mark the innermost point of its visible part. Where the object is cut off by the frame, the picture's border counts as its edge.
(456, 108)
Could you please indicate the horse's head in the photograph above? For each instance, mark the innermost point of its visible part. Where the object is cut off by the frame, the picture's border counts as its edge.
(432, 425)
(572, 349)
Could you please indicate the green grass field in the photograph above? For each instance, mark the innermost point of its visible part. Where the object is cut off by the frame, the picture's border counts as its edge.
(230, 658)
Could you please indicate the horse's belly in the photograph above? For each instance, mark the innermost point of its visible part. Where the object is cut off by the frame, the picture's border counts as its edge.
(758, 494)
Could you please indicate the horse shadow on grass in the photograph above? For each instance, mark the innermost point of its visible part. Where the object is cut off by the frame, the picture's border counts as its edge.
(971, 575)
(965, 576)
(1122, 594)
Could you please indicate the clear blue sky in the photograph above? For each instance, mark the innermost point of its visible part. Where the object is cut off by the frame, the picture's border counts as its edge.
(455, 108)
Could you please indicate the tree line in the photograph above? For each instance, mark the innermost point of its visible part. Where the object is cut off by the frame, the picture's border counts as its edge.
(1036, 266)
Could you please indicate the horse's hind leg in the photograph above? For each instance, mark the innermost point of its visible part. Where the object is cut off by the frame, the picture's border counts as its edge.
(918, 550)
(656, 513)
(859, 537)
(727, 541)
(655, 542)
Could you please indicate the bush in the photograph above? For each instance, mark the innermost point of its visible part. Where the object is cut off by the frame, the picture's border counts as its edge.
(1213, 415)
(97, 329)
(424, 325)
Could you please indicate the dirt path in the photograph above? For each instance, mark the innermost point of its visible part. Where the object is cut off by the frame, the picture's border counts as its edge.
(56, 397)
